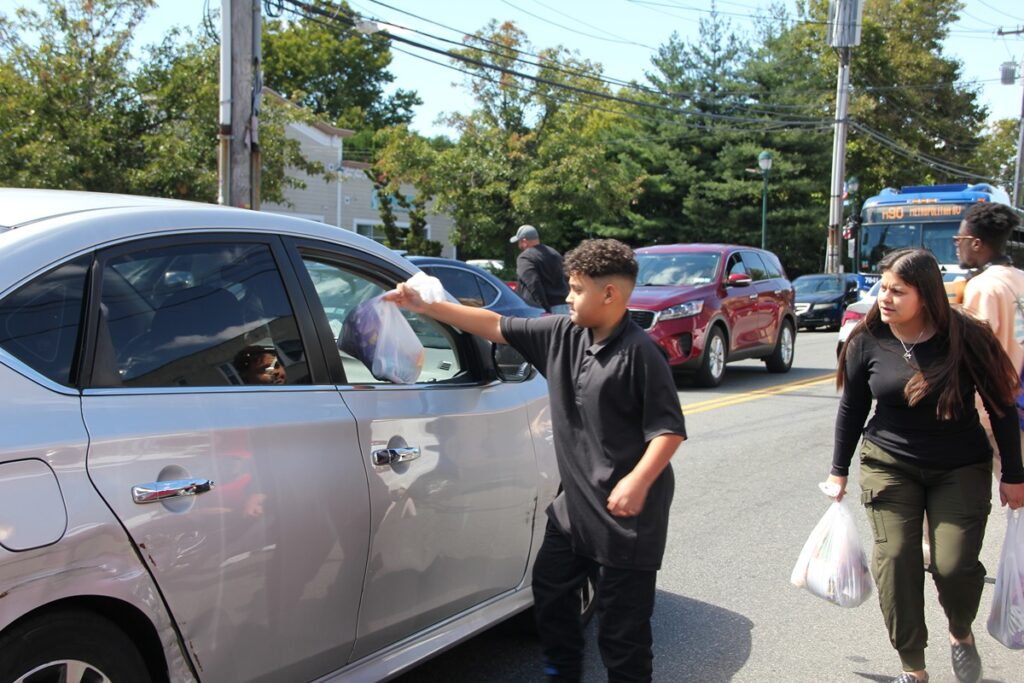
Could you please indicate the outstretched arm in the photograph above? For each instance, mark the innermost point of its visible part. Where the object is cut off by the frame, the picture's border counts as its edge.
(478, 321)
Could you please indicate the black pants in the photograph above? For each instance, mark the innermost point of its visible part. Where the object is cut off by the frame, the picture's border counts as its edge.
(625, 602)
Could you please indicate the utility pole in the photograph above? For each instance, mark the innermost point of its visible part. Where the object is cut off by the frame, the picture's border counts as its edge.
(240, 85)
(844, 22)
(1020, 135)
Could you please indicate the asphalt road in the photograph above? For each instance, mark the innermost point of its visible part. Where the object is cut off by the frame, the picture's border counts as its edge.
(746, 499)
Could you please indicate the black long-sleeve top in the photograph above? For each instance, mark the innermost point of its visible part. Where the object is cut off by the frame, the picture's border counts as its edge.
(876, 369)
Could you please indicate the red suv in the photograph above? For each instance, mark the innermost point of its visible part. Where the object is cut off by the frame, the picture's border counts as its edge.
(708, 304)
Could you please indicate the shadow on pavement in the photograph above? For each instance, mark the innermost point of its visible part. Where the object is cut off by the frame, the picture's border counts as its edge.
(693, 641)
(697, 641)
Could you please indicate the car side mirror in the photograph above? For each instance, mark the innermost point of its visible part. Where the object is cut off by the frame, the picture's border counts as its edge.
(510, 365)
(738, 280)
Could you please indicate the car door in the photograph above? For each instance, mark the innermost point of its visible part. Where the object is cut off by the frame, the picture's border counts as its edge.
(768, 313)
(208, 383)
(451, 518)
(739, 306)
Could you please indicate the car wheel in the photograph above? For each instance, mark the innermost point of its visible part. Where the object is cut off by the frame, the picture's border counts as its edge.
(69, 647)
(781, 359)
(712, 365)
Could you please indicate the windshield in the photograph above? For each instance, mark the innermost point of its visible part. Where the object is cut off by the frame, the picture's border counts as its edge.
(879, 239)
(677, 269)
(818, 285)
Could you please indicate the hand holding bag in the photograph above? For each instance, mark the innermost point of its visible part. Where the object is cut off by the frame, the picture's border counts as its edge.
(832, 564)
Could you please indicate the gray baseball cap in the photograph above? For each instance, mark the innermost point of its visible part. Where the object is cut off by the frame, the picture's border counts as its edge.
(525, 232)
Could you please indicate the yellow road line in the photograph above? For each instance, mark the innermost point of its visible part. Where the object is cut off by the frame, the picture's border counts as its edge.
(724, 401)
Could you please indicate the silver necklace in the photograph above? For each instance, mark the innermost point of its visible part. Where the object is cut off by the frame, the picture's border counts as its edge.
(908, 351)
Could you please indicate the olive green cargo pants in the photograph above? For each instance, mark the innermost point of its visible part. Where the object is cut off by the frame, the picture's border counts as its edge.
(896, 496)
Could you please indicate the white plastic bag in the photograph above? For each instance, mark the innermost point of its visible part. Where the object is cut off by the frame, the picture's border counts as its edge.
(428, 287)
(832, 564)
(378, 334)
(1006, 621)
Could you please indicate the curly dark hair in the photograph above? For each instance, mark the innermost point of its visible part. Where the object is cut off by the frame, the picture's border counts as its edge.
(601, 258)
(992, 223)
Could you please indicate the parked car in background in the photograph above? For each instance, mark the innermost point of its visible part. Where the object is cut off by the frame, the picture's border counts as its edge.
(822, 298)
(195, 483)
(854, 313)
(708, 304)
(474, 286)
(494, 265)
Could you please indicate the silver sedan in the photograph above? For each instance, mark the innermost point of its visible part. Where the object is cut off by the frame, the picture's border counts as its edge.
(196, 484)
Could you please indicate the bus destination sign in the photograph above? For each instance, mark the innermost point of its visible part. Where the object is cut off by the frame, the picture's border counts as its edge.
(915, 212)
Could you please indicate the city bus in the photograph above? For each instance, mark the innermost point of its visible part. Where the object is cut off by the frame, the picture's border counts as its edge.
(922, 216)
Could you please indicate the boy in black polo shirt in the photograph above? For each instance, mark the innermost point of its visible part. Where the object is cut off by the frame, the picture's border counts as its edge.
(617, 423)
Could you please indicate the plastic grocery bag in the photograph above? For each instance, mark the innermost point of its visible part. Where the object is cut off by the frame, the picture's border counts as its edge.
(832, 564)
(1006, 621)
(378, 334)
(429, 287)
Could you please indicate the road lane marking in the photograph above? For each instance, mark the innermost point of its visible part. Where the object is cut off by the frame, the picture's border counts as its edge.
(725, 401)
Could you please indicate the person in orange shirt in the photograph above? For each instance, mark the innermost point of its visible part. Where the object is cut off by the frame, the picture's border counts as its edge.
(995, 293)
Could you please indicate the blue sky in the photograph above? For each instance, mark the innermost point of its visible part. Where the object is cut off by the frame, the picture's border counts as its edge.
(621, 34)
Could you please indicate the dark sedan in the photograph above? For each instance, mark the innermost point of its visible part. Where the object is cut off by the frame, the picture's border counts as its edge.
(475, 286)
(822, 298)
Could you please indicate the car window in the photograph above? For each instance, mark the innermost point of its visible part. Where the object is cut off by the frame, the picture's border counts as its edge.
(39, 322)
(196, 315)
(772, 265)
(755, 266)
(461, 284)
(340, 290)
(689, 268)
(736, 266)
(488, 290)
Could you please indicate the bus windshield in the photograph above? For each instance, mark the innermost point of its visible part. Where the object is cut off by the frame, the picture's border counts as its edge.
(876, 240)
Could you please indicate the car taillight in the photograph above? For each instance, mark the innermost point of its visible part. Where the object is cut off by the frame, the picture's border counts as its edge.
(851, 316)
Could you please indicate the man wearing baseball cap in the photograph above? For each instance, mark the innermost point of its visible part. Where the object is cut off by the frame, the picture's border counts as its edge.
(541, 279)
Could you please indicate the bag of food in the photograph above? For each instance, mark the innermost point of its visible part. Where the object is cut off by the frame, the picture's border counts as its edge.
(832, 564)
(378, 334)
(1006, 621)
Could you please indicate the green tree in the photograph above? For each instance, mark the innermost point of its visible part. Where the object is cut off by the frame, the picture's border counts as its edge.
(335, 71)
(996, 155)
(70, 116)
(530, 151)
(74, 115)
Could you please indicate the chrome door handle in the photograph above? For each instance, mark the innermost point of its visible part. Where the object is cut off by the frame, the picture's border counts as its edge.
(162, 490)
(389, 456)
(752, 297)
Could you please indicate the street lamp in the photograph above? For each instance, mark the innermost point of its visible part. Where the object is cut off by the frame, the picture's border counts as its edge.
(764, 160)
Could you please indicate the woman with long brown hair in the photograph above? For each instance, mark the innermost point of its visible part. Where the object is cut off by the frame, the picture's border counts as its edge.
(925, 450)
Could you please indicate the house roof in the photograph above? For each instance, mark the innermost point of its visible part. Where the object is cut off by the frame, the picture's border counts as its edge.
(322, 126)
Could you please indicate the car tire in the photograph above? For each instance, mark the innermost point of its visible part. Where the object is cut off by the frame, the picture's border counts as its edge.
(712, 363)
(781, 359)
(72, 646)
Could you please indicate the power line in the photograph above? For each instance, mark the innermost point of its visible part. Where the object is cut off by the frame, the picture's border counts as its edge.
(539, 79)
(572, 30)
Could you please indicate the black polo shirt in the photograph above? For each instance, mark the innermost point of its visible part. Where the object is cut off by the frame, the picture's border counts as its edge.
(608, 401)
